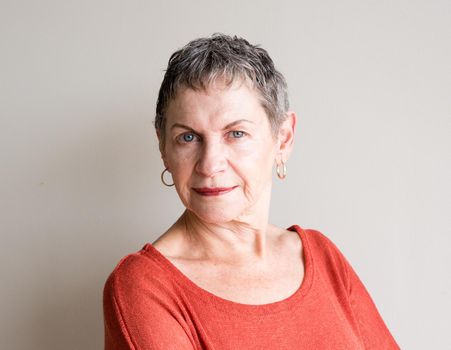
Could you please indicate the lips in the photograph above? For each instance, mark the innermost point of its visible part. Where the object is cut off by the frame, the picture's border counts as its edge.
(213, 191)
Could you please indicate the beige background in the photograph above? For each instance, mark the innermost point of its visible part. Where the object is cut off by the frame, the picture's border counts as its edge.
(80, 187)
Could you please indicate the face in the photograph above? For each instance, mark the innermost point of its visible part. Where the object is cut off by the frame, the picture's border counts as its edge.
(220, 151)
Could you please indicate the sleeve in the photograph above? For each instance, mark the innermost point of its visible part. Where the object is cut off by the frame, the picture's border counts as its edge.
(135, 319)
(374, 332)
(116, 333)
(372, 329)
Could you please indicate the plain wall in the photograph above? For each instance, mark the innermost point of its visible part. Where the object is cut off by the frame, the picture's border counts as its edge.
(80, 170)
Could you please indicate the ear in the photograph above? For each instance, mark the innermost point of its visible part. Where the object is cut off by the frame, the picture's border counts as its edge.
(162, 150)
(285, 137)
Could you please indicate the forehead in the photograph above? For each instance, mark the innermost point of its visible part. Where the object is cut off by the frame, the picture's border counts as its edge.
(217, 102)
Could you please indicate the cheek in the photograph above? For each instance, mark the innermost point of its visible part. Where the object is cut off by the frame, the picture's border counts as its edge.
(181, 172)
(257, 155)
(254, 164)
(180, 159)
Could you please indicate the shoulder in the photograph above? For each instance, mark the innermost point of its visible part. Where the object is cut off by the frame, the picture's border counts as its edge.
(312, 240)
(135, 273)
(132, 265)
(140, 281)
(317, 241)
(326, 256)
(141, 305)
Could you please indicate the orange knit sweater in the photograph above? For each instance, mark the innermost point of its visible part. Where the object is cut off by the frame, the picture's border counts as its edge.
(149, 304)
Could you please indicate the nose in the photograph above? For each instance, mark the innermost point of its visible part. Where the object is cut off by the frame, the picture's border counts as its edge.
(212, 159)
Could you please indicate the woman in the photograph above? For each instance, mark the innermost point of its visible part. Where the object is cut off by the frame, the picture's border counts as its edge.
(222, 277)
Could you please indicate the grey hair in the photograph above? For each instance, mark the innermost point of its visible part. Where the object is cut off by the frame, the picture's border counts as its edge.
(202, 61)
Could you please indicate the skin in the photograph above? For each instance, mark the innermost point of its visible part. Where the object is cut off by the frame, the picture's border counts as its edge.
(221, 137)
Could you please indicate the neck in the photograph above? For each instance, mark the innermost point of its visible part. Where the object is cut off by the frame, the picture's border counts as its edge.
(237, 242)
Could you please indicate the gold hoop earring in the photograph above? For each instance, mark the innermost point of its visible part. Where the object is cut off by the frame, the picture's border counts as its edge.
(282, 174)
(162, 178)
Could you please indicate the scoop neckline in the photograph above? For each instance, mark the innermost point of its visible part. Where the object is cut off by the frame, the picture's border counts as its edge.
(203, 295)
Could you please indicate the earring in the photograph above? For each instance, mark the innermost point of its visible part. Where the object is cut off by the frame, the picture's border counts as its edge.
(162, 178)
(282, 174)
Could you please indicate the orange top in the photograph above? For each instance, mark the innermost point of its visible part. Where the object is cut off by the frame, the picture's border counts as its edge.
(150, 304)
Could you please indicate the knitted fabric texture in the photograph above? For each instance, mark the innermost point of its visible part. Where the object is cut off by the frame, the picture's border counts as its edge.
(150, 304)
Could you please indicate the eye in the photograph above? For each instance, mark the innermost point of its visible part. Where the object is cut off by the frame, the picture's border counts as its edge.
(187, 137)
(237, 134)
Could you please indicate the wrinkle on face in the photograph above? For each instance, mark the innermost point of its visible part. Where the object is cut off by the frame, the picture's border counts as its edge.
(246, 163)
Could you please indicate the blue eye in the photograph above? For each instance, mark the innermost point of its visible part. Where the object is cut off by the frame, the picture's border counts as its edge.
(237, 134)
(188, 137)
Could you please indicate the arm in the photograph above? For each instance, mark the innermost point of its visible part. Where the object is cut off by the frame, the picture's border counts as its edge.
(135, 319)
(116, 333)
(351, 292)
(374, 332)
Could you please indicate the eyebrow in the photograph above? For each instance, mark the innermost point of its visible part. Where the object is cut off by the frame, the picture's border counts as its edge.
(228, 126)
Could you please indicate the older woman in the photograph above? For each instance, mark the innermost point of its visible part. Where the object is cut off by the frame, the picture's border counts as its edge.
(222, 277)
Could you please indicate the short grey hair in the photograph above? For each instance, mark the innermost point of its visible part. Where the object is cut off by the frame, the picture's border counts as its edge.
(199, 63)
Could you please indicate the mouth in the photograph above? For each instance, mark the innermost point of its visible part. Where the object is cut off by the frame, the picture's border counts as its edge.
(213, 191)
